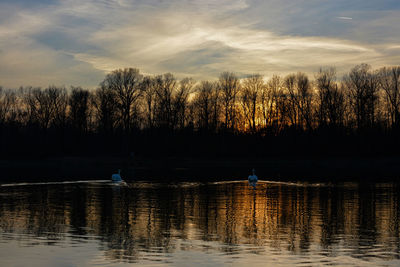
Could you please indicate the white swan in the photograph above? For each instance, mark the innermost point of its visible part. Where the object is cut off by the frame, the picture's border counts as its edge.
(116, 177)
(253, 179)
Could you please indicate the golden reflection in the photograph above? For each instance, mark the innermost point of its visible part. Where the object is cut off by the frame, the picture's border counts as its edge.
(135, 221)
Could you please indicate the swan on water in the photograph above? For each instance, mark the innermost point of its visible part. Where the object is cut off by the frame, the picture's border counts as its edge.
(116, 177)
(253, 178)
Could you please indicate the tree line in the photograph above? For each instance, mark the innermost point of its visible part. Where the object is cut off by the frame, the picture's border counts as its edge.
(130, 111)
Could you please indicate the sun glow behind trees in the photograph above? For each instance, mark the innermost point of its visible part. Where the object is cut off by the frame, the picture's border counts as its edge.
(128, 103)
(128, 100)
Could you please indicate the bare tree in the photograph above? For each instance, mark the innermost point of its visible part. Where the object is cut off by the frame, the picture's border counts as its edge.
(305, 97)
(149, 93)
(167, 100)
(362, 87)
(331, 100)
(126, 83)
(180, 101)
(229, 87)
(79, 109)
(251, 89)
(291, 95)
(269, 101)
(216, 108)
(389, 81)
(47, 107)
(38, 107)
(286, 112)
(203, 104)
(59, 102)
(105, 105)
(300, 94)
(165, 85)
(8, 103)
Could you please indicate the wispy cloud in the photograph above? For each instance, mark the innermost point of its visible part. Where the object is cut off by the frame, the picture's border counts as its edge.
(77, 42)
(344, 18)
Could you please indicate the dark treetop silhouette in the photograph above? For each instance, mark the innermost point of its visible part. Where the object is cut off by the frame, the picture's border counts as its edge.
(250, 117)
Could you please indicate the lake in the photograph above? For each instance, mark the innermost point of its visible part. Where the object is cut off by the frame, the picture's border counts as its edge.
(97, 223)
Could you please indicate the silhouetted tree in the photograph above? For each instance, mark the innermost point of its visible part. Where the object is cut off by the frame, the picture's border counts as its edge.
(149, 93)
(180, 102)
(105, 104)
(389, 81)
(229, 86)
(203, 104)
(47, 107)
(165, 85)
(331, 105)
(362, 88)
(290, 107)
(252, 87)
(79, 109)
(163, 113)
(269, 102)
(126, 85)
(8, 103)
(304, 100)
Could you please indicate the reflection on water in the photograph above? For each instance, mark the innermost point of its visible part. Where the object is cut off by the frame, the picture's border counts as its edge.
(89, 223)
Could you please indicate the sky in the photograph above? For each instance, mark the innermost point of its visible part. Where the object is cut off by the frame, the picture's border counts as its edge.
(77, 42)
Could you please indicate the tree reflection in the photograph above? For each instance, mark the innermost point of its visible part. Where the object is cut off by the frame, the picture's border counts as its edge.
(148, 219)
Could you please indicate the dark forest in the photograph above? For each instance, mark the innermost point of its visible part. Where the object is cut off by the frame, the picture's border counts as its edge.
(294, 115)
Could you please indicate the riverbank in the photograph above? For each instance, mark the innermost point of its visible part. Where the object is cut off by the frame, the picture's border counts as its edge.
(200, 169)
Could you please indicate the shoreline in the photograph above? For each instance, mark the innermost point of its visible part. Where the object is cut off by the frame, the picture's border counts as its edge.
(332, 169)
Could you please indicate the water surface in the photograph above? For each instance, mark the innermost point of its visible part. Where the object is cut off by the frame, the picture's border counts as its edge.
(98, 223)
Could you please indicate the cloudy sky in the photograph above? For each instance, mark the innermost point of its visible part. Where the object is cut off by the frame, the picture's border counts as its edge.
(76, 42)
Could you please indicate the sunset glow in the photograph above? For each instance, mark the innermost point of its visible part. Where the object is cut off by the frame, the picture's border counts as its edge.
(76, 42)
